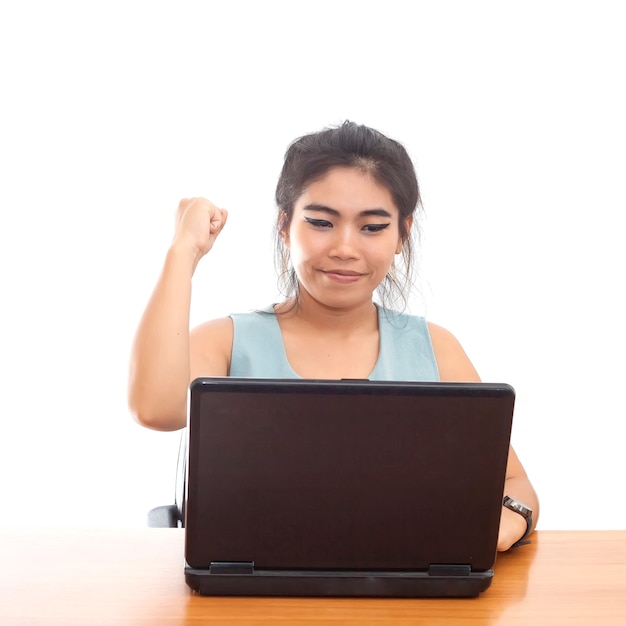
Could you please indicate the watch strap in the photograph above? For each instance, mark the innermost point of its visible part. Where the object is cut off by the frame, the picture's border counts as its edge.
(523, 540)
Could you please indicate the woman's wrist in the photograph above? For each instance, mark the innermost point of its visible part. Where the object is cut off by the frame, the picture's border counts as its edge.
(512, 528)
(183, 254)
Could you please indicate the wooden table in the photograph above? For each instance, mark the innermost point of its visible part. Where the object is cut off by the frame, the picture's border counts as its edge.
(135, 577)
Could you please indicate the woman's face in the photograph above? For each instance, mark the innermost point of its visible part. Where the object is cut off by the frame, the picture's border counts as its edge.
(343, 236)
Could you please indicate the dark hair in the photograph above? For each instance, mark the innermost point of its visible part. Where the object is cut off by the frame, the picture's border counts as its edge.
(310, 157)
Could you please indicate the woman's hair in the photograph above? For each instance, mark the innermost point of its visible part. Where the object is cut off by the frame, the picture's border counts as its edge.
(310, 157)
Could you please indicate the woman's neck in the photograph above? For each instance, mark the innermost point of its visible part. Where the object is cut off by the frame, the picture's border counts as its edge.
(330, 320)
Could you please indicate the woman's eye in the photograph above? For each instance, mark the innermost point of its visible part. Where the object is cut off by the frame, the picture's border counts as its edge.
(375, 228)
(318, 223)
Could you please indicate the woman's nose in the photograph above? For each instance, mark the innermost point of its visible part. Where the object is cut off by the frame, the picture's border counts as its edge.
(344, 244)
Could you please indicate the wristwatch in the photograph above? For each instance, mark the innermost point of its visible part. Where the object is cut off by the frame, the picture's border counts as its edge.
(523, 510)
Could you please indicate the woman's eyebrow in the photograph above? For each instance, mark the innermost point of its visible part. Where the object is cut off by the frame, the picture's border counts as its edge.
(320, 208)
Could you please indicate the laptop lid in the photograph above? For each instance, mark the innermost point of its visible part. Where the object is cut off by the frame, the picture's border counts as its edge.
(290, 481)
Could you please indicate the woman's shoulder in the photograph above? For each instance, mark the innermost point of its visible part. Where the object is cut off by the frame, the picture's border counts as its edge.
(453, 363)
(218, 325)
(225, 323)
(210, 347)
(220, 332)
(439, 335)
(442, 335)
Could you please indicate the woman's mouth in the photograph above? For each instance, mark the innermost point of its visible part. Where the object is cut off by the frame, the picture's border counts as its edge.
(342, 276)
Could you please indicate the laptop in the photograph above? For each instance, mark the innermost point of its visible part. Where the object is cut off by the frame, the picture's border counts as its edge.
(344, 488)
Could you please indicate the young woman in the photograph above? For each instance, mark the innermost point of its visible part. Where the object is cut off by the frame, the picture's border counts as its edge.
(346, 198)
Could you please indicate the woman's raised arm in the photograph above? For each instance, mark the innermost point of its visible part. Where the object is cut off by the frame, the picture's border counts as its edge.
(160, 368)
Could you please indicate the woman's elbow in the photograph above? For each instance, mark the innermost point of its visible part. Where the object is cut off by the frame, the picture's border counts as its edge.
(157, 418)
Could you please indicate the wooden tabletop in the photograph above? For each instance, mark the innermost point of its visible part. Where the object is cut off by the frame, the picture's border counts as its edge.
(92, 577)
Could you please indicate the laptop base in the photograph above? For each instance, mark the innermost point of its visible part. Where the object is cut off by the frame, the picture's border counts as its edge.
(338, 584)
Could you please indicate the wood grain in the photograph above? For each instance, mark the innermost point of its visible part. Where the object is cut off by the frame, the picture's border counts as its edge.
(114, 576)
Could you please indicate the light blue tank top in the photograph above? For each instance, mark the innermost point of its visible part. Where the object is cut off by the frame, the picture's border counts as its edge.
(405, 353)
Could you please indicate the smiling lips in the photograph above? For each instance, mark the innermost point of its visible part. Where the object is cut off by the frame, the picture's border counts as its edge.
(342, 276)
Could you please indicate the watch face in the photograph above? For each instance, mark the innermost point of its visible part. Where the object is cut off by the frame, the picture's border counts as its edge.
(517, 506)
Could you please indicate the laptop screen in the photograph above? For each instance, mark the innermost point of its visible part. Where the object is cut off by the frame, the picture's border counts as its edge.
(345, 475)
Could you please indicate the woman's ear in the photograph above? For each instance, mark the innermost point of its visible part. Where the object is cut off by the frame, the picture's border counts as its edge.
(408, 223)
(283, 229)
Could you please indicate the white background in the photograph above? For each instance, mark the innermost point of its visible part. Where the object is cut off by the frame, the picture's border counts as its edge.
(514, 114)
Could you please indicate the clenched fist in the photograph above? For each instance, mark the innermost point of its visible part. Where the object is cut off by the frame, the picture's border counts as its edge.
(198, 223)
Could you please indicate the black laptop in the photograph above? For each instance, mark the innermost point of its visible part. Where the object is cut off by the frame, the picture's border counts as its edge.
(344, 488)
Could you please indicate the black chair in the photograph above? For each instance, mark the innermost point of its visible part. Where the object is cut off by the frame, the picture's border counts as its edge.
(173, 515)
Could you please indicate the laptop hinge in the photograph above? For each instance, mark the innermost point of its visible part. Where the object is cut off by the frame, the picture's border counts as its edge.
(449, 569)
(242, 568)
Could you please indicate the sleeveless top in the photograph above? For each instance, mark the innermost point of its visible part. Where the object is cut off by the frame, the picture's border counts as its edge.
(405, 349)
